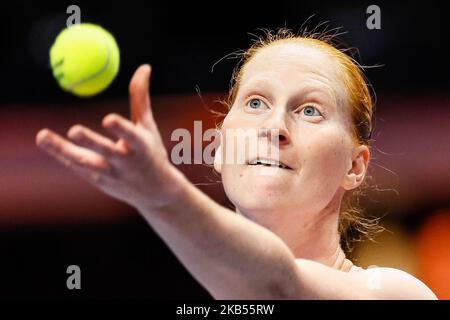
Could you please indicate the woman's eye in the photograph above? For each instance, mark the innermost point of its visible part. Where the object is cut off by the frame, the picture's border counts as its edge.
(255, 103)
(311, 111)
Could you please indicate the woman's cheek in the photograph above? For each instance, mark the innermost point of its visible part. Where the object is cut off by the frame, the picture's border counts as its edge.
(327, 152)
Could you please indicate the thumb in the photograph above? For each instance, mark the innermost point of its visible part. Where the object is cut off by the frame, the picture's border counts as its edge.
(140, 103)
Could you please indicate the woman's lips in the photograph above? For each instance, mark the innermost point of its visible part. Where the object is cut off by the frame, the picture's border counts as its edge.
(266, 162)
(268, 171)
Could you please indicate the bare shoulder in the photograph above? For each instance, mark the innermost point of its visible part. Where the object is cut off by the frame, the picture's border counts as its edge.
(323, 282)
(391, 283)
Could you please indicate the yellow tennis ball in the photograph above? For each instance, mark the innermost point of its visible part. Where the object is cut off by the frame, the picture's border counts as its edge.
(85, 59)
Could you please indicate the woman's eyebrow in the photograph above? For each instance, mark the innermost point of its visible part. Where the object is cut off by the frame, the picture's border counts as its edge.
(321, 92)
(259, 84)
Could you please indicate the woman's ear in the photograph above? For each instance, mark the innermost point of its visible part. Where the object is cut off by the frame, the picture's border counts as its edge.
(357, 168)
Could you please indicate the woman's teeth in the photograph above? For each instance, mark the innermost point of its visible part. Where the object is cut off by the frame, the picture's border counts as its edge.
(268, 163)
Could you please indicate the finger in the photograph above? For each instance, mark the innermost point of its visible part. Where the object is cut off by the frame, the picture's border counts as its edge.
(123, 128)
(90, 139)
(140, 104)
(69, 154)
(93, 176)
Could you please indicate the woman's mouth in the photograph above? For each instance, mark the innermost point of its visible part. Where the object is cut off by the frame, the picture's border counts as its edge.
(268, 163)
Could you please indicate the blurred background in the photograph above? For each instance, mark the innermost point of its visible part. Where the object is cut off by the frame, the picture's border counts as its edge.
(50, 219)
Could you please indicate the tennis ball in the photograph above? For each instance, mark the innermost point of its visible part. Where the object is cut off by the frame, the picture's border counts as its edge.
(85, 59)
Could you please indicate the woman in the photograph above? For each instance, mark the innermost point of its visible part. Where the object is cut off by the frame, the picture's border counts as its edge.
(308, 100)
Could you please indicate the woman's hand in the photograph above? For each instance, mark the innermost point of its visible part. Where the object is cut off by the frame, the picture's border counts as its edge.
(135, 168)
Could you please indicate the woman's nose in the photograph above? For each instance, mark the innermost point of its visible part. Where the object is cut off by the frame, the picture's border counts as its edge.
(275, 128)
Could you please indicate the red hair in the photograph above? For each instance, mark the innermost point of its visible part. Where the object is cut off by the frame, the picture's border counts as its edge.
(353, 225)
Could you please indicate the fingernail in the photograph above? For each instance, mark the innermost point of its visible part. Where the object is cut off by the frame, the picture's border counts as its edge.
(75, 135)
(111, 124)
(45, 143)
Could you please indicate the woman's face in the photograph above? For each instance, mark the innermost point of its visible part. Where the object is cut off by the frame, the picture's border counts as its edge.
(296, 90)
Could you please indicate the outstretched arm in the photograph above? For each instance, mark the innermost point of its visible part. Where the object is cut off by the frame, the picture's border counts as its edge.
(235, 258)
(229, 255)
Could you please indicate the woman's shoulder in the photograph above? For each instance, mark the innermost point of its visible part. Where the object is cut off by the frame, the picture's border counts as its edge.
(401, 283)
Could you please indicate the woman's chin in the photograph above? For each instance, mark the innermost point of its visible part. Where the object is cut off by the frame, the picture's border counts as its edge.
(269, 179)
(265, 199)
(262, 188)
(270, 185)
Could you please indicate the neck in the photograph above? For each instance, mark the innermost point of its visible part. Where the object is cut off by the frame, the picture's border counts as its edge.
(316, 240)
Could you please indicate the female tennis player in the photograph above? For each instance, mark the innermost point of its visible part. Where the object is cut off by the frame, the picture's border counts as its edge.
(284, 239)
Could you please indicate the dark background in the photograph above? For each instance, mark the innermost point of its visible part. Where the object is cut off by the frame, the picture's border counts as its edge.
(49, 219)
(183, 41)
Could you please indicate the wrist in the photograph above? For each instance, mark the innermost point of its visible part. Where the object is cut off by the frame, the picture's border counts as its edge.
(173, 189)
